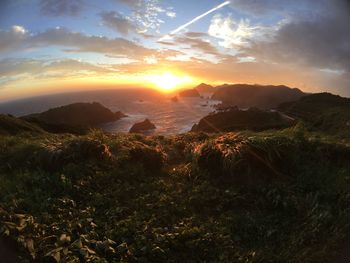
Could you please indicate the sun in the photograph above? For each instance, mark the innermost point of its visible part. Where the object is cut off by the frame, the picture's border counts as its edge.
(167, 81)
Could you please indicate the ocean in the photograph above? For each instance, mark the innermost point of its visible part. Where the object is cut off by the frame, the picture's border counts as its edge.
(169, 117)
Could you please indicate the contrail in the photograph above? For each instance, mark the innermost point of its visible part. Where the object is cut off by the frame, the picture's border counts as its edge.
(193, 21)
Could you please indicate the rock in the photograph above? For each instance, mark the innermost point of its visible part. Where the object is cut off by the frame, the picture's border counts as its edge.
(189, 93)
(142, 126)
(174, 99)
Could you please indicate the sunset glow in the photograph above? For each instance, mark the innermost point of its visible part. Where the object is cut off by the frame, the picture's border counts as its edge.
(168, 81)
(169, 45)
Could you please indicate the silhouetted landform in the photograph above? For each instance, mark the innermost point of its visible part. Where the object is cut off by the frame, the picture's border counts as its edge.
(10, 125)
(174, 99)
(233, 119)
(321, 111)
(189, 93)
(74, 118)
(143, 126)
(263, 97)
(205, 88)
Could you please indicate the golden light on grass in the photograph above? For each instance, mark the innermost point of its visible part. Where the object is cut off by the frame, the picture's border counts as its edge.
(168, 81)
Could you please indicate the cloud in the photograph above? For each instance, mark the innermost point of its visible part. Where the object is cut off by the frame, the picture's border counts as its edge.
(61, 7)
(78, 42)
(313, 35)
(231, 33)
(11, 39)
(171, 14)
(118, 22)
(14, 40)
(146, 13)
(196, 34)
(12, 70)
(132, 3)
(321, 42)
(198, 44)
(194, 20)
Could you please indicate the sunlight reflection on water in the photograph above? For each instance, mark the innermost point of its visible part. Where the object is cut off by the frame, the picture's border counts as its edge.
(169, 117)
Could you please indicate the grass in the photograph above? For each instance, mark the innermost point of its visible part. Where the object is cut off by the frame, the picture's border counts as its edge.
(235, 197)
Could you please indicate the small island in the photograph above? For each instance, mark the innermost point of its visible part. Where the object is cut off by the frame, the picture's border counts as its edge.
(143, 126)
(75, 118)
(174, 99)
(189, 93)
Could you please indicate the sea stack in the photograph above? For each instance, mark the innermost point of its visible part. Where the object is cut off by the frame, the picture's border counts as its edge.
(143, 126)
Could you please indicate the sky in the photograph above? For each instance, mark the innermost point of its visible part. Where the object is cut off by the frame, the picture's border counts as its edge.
(51, 46)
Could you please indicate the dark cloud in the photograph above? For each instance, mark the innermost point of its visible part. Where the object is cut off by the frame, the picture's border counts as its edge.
(197, 44)
(132, 3)
(313, 35)
(118, 22)
(12, 41)
(61, 7)
(322, 42)
(196, 34)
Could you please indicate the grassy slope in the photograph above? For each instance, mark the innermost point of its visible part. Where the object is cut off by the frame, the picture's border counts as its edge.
(247, 197)
(322, 112)
(11, 126)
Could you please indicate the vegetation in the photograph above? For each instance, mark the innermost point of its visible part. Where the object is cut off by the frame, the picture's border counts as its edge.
(10, 125)
(235, 197)
(234, 119)
(322, 112)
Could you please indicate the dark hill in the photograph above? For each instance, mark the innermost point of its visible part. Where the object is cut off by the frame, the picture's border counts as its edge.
(264, 97)
(74, 118)
(189, 93)
(82, 114)
(234, 119)
(323, 111)
(205, 88)
(10, 125)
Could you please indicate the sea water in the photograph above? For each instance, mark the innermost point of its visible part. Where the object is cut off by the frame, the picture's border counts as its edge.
(138, 104)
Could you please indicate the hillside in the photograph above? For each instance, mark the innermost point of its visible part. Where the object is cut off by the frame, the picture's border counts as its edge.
(242, 197)
(323, 112)
(10, 125)
(234, 119)
(263, 97)
(74, 118)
